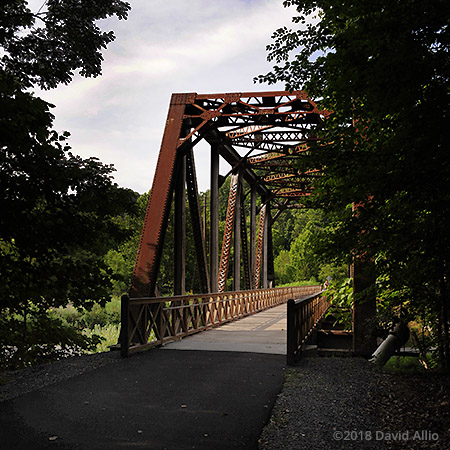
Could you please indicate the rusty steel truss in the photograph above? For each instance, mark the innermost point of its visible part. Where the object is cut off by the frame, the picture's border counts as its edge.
(260, 135)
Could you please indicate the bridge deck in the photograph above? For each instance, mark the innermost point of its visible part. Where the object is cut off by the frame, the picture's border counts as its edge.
(264, 332)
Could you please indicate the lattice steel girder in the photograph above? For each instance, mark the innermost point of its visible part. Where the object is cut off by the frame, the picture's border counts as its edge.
(258, 108)
(259, 245)
(282, 153)
(292, 193)
(275, 164)
(258, 135)
(293, 175)
(276, 119)
(228, 232)
(274, 147)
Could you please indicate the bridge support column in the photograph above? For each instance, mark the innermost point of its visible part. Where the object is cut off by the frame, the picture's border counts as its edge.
(244, 244)
(265, 255)
(180, 227)
(237, 238)
(364, 307)
(270, 263)
(214, 218)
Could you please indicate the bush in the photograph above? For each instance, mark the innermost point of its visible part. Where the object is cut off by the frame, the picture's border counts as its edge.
(113, 308)
(340, 296)
(40, 338)
(109, 335)
(311, 282)
(68, 314)
(97, 315)
(57, 333)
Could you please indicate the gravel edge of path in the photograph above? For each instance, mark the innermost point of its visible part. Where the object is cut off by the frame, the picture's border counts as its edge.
(322, 402)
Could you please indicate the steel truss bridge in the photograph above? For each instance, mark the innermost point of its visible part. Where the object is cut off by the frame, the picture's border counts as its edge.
(261, 135)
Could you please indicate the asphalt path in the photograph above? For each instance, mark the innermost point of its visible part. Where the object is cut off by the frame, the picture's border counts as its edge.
(160, 399)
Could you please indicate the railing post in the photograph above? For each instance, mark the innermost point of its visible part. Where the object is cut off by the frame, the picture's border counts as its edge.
(125, 329)
(291, 332)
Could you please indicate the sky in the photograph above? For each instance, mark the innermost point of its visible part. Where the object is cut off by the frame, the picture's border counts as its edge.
(165, 47)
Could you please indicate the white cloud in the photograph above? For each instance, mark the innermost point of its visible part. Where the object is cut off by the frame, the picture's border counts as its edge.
(165, 46)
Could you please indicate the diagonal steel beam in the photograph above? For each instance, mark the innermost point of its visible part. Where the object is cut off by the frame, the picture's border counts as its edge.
(200, 244)
(150, 246)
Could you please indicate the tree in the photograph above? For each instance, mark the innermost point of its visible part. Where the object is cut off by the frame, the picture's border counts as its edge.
(383, 69)
(45, 47)
(59, 211)
(121, 259)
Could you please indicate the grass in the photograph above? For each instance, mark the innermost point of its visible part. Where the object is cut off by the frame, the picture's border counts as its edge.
(109, 333)
(100, 321)
(299, 283)
(405, 365)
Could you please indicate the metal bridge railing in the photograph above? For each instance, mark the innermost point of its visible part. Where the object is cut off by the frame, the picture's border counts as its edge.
(149, 322)
(302, 317)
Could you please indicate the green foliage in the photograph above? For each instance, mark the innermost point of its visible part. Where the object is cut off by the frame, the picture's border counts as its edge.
(121, 259)
(405, 365)
(337, 273)
(340, 296)
(62, 212)
(68, 315)
(89, 318)
(383, 69)
(109, 335)
(299, 283)
(303, 258)
(41, 338)
(300, 235)
(283, 270)
(61, 217)
(45, 47)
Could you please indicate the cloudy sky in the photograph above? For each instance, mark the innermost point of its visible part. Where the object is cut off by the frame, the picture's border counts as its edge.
(165, 46)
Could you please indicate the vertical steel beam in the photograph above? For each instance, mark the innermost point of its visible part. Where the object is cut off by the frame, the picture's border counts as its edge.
(265, 255)
(179, 250)
(214, 218)
(194, 208)
(252, 235)
(270, 262)
(204, 221)
(244, 245)
(237, 239)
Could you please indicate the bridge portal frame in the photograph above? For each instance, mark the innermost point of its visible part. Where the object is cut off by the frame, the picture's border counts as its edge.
(275, 125)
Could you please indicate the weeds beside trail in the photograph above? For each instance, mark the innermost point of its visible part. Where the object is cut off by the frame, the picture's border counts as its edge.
(103, 322)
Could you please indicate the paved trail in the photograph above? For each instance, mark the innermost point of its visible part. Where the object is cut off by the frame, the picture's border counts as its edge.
(183, 396)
